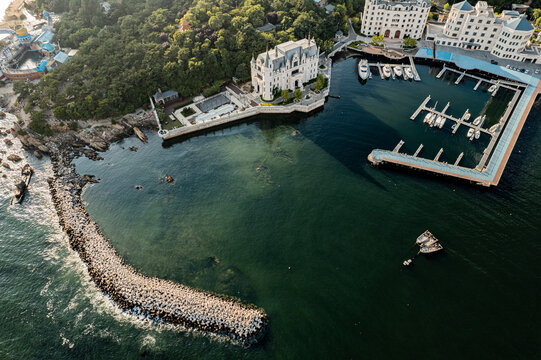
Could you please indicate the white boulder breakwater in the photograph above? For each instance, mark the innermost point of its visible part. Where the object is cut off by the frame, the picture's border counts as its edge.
(137, 294)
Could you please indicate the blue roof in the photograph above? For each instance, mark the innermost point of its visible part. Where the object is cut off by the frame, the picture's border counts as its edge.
(463, 6)
(46, 36)
(329, 8)
(42, 66)
(468, 63)
(47, 47)
(519, 24)
(61, 57)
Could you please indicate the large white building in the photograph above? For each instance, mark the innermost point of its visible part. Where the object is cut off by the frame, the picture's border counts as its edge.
(395, 19)
(286, 67)
(478, 28)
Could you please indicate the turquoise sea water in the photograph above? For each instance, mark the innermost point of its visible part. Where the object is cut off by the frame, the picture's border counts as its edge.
(286, 213)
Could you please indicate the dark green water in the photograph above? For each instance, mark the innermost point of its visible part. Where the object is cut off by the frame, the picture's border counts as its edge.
(315, 206)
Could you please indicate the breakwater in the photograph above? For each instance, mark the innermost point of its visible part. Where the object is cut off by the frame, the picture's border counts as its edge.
(137, 294)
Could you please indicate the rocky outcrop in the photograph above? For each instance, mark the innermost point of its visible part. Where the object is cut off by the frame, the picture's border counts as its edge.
(14, 158)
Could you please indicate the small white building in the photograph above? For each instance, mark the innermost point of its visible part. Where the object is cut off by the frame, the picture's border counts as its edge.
(478, 28)
(395, 19)
(287, 66)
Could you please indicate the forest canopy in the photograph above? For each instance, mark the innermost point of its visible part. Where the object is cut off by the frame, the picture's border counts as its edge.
(126, 54)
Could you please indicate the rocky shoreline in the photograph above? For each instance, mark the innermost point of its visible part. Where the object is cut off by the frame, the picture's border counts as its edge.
(160, 300)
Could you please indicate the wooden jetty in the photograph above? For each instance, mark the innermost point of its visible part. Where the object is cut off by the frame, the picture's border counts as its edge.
(477, 85)
(380, 71)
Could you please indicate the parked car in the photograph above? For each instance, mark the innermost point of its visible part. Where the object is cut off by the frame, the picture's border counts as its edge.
(507, 66)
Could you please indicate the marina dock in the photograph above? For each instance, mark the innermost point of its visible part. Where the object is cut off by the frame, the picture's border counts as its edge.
(490, 169)
(461, 121)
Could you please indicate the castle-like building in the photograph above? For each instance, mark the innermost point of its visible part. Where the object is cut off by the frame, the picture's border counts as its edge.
(478, 28)
(286, 67)
(395, 19)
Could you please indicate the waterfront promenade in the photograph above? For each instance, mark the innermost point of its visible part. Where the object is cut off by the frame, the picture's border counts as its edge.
(490, 174)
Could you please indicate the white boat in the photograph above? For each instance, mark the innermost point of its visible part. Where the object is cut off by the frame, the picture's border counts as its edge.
(492, 88)
(363, 69)
(453, 127)
(427, 117)
(438, 121)
(386, 71)
(493, 128)
(423, 238)
(430, 249)
(442, 122)
(467, 116)
(408, 74)
(470, 132)
(477, 120)
(477, 133)
(398, 71)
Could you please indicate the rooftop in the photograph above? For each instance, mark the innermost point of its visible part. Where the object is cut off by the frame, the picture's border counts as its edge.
(519, 24)
(45, 36)
(165, 94)
(463, 6)
(61, 57)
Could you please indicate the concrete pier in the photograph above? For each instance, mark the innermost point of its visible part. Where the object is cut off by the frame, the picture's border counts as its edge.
(477, 85)
(416, 76)
(459, 158)
(420, 108)
(460, 78)
(438, 154)
(398, 146)
(418, 150)
(440, 74)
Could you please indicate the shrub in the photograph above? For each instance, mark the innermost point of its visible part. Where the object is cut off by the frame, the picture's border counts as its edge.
(39, 125)
(285, 95)
(73, 125)
(187, 111)
(297, 94)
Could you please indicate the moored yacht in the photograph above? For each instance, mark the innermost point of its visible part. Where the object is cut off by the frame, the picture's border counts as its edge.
(363, 69)
(470, 132)
(408, 74)
(386, 71)
(398, 70)
(477, 133)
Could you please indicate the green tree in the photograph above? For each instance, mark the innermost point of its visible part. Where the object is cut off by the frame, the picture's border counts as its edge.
(297, 94)
(321, 82)
(377, 40)
(446, 7)
(536, 13)
(409, 43)
(285, 95)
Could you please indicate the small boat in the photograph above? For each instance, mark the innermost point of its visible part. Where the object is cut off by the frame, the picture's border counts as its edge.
(477, 120)
(407, 262)
(493, 128)
(431, 249)
(408, 74)
(467, 116)
(442, 122)
(363, 69)
(477, 133)
(453, 127)
(470, 133)
(386, 71)
(492, 88)
(427, 117)
(424, 237)
(22, 185)
(398, 71)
